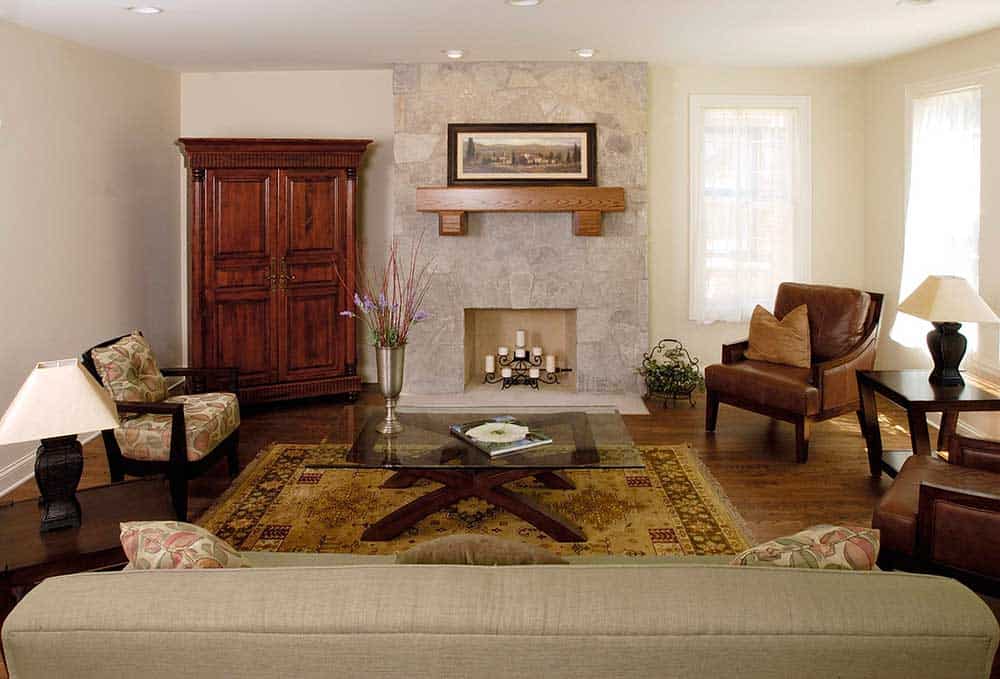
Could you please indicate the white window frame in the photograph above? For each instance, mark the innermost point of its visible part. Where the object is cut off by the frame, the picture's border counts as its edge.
(803, 225)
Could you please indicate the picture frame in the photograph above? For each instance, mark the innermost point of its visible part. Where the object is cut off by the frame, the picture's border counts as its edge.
(522, 154)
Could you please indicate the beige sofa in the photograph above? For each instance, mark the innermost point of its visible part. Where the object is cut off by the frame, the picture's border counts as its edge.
(324, 616)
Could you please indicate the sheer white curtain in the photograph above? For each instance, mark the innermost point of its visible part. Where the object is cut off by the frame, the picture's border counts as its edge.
(747, 220)
(942, 208)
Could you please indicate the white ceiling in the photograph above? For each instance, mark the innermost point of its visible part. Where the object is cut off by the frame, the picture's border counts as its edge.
(209, 35)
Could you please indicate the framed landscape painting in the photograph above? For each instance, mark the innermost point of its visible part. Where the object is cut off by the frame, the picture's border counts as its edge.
(522, 154)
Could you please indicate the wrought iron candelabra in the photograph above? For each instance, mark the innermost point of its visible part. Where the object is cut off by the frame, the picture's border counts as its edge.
(521, 367)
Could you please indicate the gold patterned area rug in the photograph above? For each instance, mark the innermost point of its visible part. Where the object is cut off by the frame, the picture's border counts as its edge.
(285, 502)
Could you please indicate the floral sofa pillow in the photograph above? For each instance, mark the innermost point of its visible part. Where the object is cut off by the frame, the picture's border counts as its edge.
(826, 547)
(129, 371)
(175, 544)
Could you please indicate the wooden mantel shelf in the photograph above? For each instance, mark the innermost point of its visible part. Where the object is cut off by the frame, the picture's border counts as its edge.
(453, 203)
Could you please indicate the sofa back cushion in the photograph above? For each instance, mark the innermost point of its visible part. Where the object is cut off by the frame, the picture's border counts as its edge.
(129, 370)
(837, 316)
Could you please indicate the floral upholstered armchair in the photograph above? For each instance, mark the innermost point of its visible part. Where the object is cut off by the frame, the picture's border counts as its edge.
(180, 436)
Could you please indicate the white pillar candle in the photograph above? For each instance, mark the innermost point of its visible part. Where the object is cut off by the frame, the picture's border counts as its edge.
(490, 367)
(519, 353)
(519, 338)
(503, 351)
(533, 373)
(536, 351)
(506, 373)
(550, 363)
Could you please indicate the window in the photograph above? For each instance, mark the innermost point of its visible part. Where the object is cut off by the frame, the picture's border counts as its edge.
(942, 207)
(750, 202)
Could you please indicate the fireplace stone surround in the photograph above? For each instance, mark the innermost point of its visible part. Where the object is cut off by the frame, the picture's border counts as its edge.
(527, 260)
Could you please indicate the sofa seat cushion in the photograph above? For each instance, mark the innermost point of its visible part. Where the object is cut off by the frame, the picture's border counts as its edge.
(896, 513)
(208, 420)
(767, 384)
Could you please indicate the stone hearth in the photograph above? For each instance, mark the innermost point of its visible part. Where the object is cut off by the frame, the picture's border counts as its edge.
(527, 260)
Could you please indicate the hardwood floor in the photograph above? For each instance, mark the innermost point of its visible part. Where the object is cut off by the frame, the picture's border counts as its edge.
(751, 456)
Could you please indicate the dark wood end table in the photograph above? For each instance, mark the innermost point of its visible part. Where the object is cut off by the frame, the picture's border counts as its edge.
(911, 390)
(28, 556)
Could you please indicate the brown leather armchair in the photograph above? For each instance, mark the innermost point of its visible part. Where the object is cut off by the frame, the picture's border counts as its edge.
(843, 330)
(944, 517)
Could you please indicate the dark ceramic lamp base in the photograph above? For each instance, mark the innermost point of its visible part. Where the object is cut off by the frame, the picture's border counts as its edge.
(947, 347)
(58, 467)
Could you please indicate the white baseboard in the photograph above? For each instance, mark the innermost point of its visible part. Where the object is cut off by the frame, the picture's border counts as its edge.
(22, 469)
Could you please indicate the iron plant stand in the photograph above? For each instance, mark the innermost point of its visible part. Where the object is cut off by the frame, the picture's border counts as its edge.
(520, 369)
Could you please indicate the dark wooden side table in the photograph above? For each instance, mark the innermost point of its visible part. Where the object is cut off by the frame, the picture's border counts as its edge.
(911, 390)
(28, 556)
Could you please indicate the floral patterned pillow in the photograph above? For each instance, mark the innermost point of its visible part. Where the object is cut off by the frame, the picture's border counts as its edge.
(175, 544)
(833, 547)
(129, 371)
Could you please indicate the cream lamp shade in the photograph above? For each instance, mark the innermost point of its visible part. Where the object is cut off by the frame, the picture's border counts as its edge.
(59, 398)
(947, 299)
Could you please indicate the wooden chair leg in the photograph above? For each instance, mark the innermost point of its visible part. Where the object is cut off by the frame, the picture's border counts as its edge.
(179, 492)
(802, 426)
(233, 454)
(711, 410)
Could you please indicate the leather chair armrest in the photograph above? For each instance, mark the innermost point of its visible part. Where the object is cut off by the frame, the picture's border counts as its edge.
(974, 453)
(734, 353)
(836, 379)
(959, 530)
(200, 380)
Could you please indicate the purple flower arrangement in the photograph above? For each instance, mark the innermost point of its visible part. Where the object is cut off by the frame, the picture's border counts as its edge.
(389, 300)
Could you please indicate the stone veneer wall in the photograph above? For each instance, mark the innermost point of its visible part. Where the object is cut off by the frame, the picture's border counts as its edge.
(529, 260)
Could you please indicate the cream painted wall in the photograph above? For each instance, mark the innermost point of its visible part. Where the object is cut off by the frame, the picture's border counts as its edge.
(88, 207)
(323, 104)
(838, 228)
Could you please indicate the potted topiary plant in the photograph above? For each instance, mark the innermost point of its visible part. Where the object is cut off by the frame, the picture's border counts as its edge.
(670, 372)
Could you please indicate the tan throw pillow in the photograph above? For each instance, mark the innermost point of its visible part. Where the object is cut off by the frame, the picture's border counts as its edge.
(785, 341)
(175, 544)
(477, 550)
(825, 547)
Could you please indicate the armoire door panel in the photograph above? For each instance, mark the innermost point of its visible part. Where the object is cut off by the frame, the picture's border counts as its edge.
(242, 216)
(311, 349)
(311, 205)
(244, 337)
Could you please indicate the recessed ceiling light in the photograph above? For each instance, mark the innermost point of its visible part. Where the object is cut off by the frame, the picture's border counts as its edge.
(145, 9)
(524, 3)
(585, 52)
(454, 54)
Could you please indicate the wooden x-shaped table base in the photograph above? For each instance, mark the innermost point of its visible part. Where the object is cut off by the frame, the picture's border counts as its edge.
(486, 484)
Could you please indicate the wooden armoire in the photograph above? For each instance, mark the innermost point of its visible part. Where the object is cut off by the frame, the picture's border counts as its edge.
(271, 236)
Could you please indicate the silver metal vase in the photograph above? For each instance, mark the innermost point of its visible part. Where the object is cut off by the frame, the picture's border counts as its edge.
(389, 361)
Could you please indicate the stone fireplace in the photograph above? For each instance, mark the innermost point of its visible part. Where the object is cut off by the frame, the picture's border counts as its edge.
(526, 270)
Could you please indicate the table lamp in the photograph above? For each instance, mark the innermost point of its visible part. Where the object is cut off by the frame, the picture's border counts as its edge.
(59, 400)
(947, 302)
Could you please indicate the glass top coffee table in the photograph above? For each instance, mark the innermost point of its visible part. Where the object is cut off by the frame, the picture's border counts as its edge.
(426, 450)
